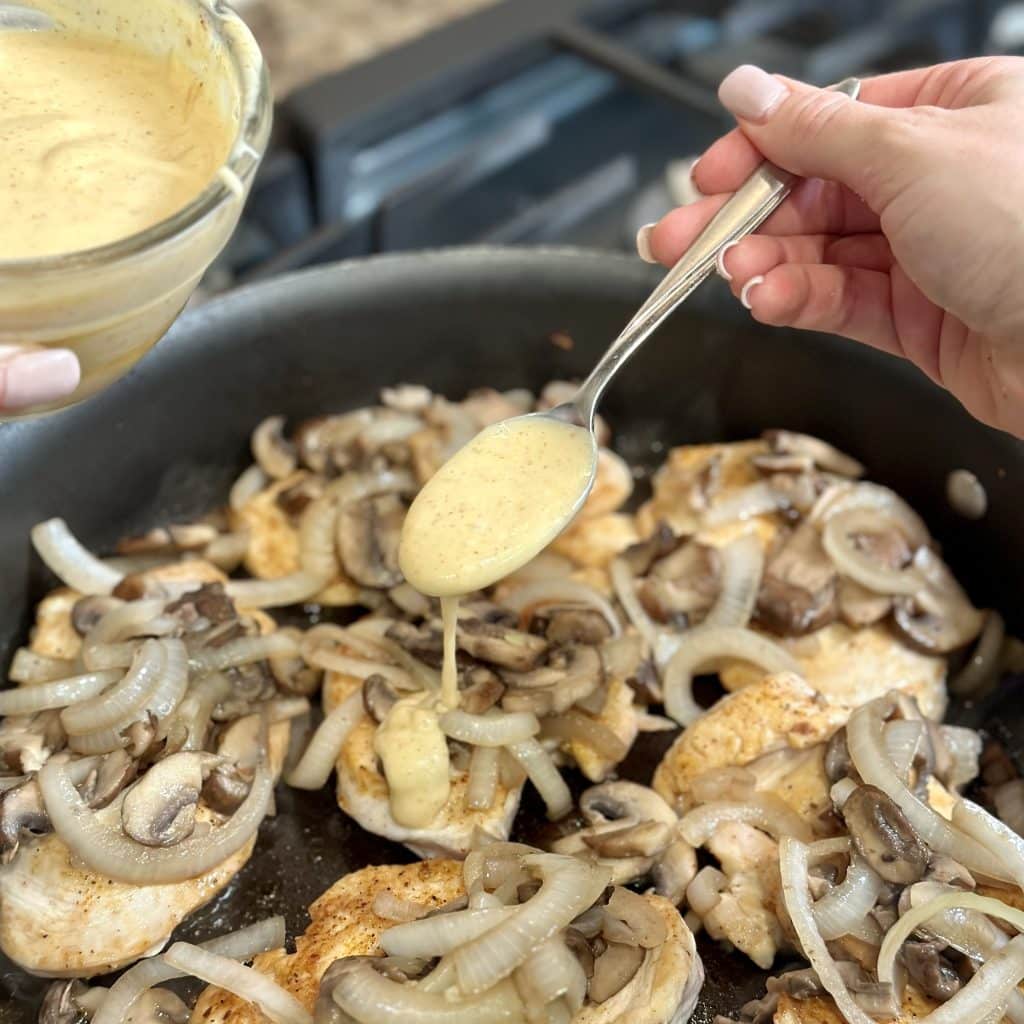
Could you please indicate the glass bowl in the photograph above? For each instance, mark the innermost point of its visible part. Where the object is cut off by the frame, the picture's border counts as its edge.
(112, 303)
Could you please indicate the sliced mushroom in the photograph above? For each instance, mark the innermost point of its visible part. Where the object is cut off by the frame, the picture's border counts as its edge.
(87, 611)
(838, 763)
(208, 605)
(859, 606)
(824, 455)
(142, 738)
(410, 601)
(883, 836)
(292, 673)
(368, 535)
(294, 500)
(613, 801)
(577, 626)
(160, 809)
(674, 870)
(642, 556)
(614, 969)
(113, 772)
(480, 690)
(379, 697)
(933, 974)
(21, 810)
(226, 788)
(940, 618)
(798, 592)
(508, 648)
(426, 643)
(275, 455)
(638, 915)
(574, 675)
(644, 839)
(946, 871)
(578, 945)
(60, 1004)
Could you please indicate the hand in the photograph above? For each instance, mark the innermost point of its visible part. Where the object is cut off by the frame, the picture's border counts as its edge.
(909, 233)
(35, 376)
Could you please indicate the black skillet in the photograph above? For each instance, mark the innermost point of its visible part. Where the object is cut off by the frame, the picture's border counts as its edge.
(166, 443)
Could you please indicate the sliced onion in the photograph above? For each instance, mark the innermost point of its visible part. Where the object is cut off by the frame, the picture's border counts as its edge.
(997, 837)
(742, 569)
(983, 665)
(67, 558)
(294, 588)
(248, 984)
(491, 730)
(374, 631)
(27, 700)
(482, 786)
(561, 591)
(441, 933)
(705, 891)
(243, 944)
(846, 907)
(762, 810)
(568, 887)
(917, 916)
(623, 582)
(195, 710)
(247, 486)
(546, 778)
(100, 647)
(551, 972)
(753, 500)
(858, 566)
(228, 550)
(794, 867)
(31, 668)
(108, 851)
(101, 742)
(964, 748)
(392, 907)
(867, 750)
(244, 651)
(320, 757)
(368, 997)
(360, 668)
(706, 645)
(903, 739)
(575, 726)
(844, 497)
(317, 555)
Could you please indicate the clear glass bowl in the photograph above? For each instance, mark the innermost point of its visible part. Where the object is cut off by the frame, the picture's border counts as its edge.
(112, 303)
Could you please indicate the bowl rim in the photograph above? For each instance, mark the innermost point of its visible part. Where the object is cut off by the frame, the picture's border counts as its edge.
(230, 181)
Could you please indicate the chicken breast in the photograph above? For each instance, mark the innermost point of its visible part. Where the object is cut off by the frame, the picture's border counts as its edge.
(821, 1010)
(59, 919)
(850, 667)
(663, 991)
(363, 792)
(619, 714)
(777, 713)
(593, 542)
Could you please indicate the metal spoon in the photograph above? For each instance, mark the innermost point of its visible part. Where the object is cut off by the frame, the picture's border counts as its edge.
(15, 16)
(756, 199)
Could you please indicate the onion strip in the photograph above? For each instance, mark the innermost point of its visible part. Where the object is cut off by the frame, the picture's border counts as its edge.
(441, 933)
(497, 730)
(770, 815)
(318, 760)
(482, 786)
(742, 569)
(845, 908)
(546, 778)
(560, 591)
(26, 700)
(66, 557)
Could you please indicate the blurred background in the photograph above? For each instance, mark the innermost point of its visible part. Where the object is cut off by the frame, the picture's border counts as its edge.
(411, 124)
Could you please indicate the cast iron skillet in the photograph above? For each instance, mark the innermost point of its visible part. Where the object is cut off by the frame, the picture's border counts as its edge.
(166, 442)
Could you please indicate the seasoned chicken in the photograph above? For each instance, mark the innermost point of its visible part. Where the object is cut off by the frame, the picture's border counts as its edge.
(363, 793)
(59, 919)
(850, 667)
(821, 1009)
(778, 712)
(344, 924)
(619, 714)
(594, 542)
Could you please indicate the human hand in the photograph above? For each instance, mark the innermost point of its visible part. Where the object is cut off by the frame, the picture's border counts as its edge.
(909, 233)
(35, 376)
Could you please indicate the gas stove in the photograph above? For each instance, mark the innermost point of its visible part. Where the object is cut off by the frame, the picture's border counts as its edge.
(552, 121)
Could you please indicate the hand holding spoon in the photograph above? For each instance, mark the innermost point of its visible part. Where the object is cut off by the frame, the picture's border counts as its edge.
(508, 493)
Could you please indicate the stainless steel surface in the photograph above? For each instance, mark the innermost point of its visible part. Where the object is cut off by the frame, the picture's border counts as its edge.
(755, 200)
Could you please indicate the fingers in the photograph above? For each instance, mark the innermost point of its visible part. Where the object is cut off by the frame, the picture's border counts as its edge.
(759, 254)
(815, 207)
(850, 301)
(31, 377)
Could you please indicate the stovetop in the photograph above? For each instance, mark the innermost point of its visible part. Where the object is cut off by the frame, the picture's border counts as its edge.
(552, 121)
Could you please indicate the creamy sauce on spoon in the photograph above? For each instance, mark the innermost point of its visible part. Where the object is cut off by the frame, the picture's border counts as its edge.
(486, 512)
(98, 140)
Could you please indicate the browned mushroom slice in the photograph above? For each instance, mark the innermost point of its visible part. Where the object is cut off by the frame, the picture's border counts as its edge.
(60, 1004)
(160, 809)
(933, 974)
(208, 605)
(573, 675)
(576, 626)
(379, 697)
(638, 915)
(508, 648)
(275, 455)
(226, 788)
(368, 535)
(425, 643)
(644, 839)
(87, 611)
(883, 836)
(614, 970)
(114, 771)
(940, 618)
(640, 557)
(823, 455)
(480, 690)
(21, 810)
(798, 592)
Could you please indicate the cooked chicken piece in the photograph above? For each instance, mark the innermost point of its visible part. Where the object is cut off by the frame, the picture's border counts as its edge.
(594, 542)
(821, 1010)
(779, 712)
(344, 924)
(53, 634)
(60, 919)
(620, 715)
(798, 777)
(850, 667)
(363, 793)
(696, 478)
(274, 541)
(613, 485)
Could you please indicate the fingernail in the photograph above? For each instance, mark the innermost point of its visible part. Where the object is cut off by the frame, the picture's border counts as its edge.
(750, 93)
(643, 243)
(749, 287)
(720, 262)
(35, 378)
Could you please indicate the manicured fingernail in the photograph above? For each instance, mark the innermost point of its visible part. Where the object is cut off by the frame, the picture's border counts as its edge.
(38, 377)
(749, 287)
(643, 243)
(720, 262)
(750, 93)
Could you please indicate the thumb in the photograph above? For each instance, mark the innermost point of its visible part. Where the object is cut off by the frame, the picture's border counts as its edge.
(815, 133)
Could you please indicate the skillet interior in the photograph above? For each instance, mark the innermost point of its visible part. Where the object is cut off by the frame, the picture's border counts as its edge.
(167, 441)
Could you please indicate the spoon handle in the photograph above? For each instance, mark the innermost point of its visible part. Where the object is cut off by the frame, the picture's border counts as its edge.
(749, 207)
